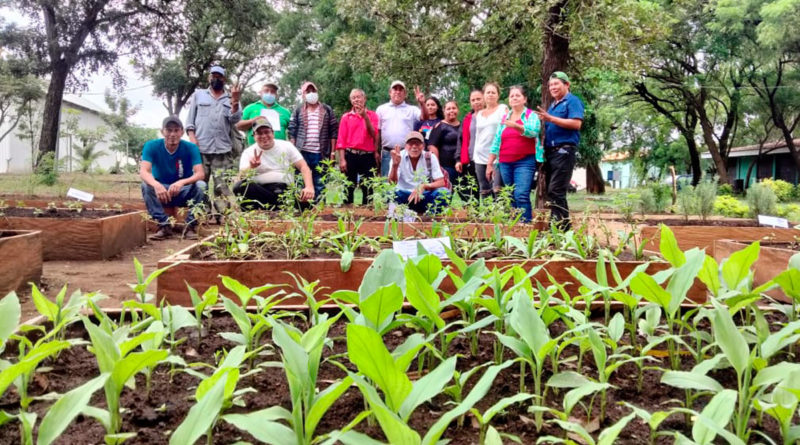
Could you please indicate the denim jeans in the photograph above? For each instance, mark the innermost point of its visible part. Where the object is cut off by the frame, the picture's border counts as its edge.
(520, 175)
(386, 158)
(314, 160)
(431, 202)
(486, 188)
(193, 192)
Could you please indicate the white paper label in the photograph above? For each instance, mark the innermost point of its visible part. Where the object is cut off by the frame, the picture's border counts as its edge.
(408, 248)
(408, 216)
(81, 195)
(773, 221)
(273, 117)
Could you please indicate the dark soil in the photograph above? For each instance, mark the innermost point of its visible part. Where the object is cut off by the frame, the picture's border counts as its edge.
(155, 414)
(86, 213)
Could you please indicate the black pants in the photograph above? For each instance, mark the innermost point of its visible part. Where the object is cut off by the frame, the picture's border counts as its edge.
(360, 165)
(462, 183)
(258, 196)
(558, 168)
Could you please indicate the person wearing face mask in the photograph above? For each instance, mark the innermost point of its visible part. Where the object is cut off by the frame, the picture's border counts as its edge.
(313, 129)
(268, 108)
(212, 113)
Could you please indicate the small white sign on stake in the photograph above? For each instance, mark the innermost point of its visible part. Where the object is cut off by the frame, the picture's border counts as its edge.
(773, 221)
(79, 194)
(408, 248)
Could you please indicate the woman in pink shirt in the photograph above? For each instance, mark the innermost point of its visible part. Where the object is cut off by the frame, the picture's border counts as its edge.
(516, 146)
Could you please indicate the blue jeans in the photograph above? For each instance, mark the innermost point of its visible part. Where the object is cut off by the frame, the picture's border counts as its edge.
(431, 202)
(386, 158)
(520, 175)
(314, 160)
(193, 192)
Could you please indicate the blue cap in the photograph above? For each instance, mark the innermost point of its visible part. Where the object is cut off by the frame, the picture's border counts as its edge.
(216, 69)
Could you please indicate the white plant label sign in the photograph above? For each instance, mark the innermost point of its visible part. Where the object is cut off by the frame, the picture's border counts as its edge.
(408, 248)
(773, 221)
(79, 194)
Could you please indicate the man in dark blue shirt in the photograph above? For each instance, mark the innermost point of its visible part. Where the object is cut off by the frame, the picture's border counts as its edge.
(562, 123)
(172, 176)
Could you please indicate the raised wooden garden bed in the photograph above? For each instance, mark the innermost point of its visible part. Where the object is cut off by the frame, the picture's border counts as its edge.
(20, 259)
(85, 236)
(772, 259)
(704, 236)
(202, 274)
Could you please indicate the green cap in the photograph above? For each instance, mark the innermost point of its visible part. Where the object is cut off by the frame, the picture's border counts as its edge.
(560, 75)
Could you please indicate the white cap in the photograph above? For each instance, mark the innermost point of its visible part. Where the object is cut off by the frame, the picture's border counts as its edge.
(397, 82)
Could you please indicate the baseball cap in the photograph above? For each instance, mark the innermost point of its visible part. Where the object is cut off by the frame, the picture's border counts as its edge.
(271, 86)
(415, 135)
(306, 85)
(261, 123)
(171, 120)
(560, 75)
(216, 69)
(396, 83)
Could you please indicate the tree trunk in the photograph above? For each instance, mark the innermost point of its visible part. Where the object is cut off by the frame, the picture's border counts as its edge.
(694, 157)
(48, 139)
(555, 58)
(594, 179)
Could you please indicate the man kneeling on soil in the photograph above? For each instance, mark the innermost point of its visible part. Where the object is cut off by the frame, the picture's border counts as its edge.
(420, 185)
(271, 162)
(172, 176)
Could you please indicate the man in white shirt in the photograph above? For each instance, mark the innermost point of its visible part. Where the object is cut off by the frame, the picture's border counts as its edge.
(419, 179)
(397, 119)
(270, 162)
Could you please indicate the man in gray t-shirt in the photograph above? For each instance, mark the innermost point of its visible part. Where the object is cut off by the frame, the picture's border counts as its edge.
(212, 113)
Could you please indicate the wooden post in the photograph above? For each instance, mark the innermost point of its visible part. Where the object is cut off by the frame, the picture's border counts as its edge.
(674, 184)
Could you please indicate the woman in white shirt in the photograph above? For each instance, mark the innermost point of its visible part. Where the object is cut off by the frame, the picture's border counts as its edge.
(487, 121)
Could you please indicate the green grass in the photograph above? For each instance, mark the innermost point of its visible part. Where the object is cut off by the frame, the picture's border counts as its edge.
(122, 186)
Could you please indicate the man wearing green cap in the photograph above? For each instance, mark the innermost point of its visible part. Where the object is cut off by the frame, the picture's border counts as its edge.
(562, 124)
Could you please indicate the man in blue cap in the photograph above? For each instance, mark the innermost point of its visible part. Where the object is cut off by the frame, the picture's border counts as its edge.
(562, 123)
(212, 113)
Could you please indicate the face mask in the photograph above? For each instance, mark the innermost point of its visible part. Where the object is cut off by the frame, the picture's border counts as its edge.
(217, 84)
(268, 98)
(312, 98)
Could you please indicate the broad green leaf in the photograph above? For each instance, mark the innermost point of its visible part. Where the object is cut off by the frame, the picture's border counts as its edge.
(201, 416)
(616, 327)
(504, 403)
(395, 429)
(669, 247)
(789, 281)
(386, 269)
(567, 379)
(477, 393)
(719, 411)
(10, 308)
(737, 267)
(644, 285)
(422, 296)
(295, 358)
(729, 339)
(493, 437)
(29, 363)
(346, 261)
(572, 397)
(430, 267)
(239, 316)
(683, 278)
(43, 305)
(380, 307)
(428, 387)
(263, 425)
(709, 275)
(239, 289)
(126, 368)
(323, 401)
(527, 323)
(690, 380)
(367, 351)
(66, 408)
(609, 435)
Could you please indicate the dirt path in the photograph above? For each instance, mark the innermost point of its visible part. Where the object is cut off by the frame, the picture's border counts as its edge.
(111, 277)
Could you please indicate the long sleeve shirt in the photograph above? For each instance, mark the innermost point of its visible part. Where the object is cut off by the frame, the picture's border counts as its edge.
(211, 120)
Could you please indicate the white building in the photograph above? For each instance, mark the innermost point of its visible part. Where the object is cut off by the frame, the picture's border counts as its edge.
(15, 152)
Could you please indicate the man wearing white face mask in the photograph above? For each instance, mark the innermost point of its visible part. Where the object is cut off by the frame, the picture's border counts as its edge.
(313, 129)
(267, 108)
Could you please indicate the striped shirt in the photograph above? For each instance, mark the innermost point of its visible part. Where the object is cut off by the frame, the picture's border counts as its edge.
(312, 131)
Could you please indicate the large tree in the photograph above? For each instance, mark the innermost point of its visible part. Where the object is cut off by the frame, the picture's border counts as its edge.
(68, 37)
(203, 34)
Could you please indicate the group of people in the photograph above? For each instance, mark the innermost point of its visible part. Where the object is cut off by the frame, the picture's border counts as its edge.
(494, 143)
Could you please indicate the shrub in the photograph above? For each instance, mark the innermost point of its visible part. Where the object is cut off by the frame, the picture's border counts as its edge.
(725, 190)
(783, 190)
(789, 211)
(761, 199)
(625, 203)
(729, 206)
(655, 198)
(705, 194)
(686, 201)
